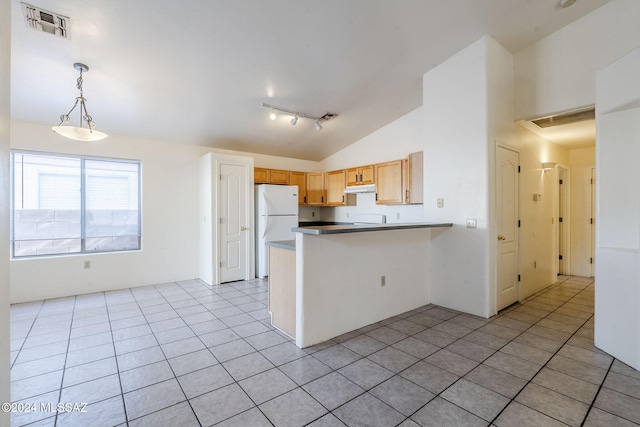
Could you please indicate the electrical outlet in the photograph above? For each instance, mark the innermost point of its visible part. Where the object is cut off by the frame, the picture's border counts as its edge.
(440, 203)
(472, 223)
(383, 280)
(313, 213)
(87, 264)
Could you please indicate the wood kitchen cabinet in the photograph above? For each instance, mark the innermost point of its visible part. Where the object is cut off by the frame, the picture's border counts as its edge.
(270, 176)
(413, 179)
(299, 179)
(315, 189)
(360, 175)
(389, 183)
(335, 185)
(279, 177)
(261, 175)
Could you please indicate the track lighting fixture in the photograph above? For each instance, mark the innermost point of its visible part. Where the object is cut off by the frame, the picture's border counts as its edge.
(79, 133)
(297, 115)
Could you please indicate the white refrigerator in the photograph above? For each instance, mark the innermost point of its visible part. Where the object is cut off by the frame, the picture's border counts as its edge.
(276, 214)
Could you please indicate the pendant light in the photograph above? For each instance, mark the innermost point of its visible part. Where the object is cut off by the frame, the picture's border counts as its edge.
(79, 133)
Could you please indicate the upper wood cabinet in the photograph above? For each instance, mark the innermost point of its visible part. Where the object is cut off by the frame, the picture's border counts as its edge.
(270, 176)
(261, 175)
(360, 175)
(389, 185)
(279, 177)
(413, 173)
(299, 179)
(335, 185)
(315, 189)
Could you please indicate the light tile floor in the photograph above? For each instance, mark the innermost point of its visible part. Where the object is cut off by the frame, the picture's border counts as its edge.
(183, 354)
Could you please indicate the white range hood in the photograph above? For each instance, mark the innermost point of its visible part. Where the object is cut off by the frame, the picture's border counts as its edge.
(367, 188)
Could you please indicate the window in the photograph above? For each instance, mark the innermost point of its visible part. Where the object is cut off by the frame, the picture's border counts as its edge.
(65, 204)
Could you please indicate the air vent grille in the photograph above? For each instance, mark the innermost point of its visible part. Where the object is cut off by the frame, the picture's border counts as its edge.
(45, 21)
(329, 116)
(566, 118)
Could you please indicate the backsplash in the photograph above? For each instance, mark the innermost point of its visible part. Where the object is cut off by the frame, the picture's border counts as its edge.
(366, 203)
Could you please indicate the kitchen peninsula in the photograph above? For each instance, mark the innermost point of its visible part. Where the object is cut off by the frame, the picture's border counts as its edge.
(349, 276)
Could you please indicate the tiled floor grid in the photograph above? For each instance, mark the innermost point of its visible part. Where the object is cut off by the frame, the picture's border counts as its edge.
(183, 354)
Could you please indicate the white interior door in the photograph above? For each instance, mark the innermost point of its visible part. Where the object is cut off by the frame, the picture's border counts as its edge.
(563, 222)
(592, 227)
(507, 210)
(233, 234)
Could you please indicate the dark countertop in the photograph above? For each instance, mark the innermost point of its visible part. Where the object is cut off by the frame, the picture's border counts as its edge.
(283, 244)
(352, 228)
(317, 223)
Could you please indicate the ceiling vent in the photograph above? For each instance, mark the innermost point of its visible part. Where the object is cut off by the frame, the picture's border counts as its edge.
(566, 118)
(45, 21)
(328, 116)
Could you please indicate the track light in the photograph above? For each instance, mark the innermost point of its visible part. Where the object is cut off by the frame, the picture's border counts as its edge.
(297, 115)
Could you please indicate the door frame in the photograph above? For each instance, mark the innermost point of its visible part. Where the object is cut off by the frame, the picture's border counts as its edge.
(566, 221)
(494, 289)
(249, 216)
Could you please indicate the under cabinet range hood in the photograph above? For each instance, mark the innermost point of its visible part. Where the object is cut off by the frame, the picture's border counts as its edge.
(367, 188)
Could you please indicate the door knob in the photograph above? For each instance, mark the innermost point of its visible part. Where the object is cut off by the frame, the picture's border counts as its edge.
(501, 237)
(243, 228)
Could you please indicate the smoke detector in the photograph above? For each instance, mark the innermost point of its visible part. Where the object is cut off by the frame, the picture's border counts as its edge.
(45, 21)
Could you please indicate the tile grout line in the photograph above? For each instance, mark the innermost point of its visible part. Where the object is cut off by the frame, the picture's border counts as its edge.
(593, 401)
(547, 362)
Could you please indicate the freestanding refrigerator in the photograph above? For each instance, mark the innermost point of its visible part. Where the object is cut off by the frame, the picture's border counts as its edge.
(276, 214)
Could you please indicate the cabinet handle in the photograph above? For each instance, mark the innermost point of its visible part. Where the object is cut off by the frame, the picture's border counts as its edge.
(322, 199)
(342, 199)
(406, 195)
(304, 199)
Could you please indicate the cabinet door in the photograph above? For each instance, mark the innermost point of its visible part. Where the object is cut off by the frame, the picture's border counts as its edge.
(414, 179)
(279, 177)
(335, 188)
(261, 175)
(367, 175)
(353, 176)
(299, 179)
(389, 189)
(315, 189)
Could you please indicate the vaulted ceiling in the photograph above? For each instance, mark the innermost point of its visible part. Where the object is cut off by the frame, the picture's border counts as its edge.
(197, 71)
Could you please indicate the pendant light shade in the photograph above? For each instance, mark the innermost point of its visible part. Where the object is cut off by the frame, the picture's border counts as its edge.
(79, 133)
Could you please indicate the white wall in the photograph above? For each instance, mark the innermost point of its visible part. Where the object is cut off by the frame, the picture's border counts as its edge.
(557, 73)
(5, 63)
(170, 200)
(459, 140)
(581, 160)
(331, 301)
(392, 142)
(617, 302)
